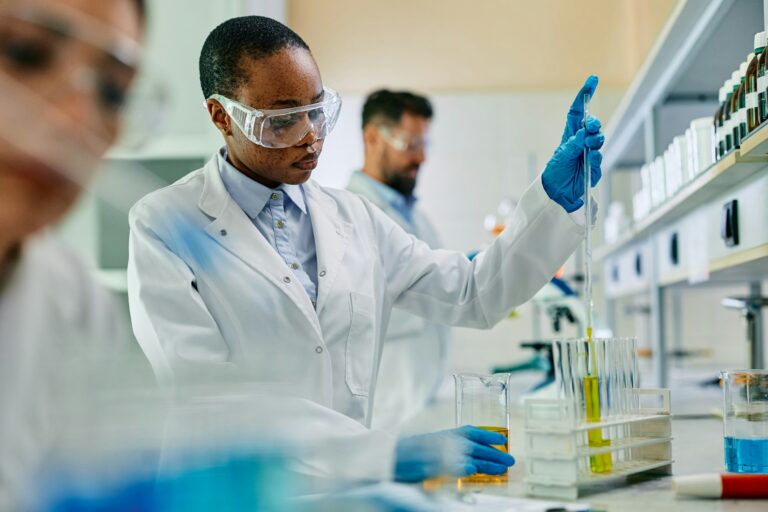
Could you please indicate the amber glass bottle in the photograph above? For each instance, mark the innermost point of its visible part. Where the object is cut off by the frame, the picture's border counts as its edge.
(735, 121)
(742, 98)
(727, 121)
(752, 100)
(717, 126)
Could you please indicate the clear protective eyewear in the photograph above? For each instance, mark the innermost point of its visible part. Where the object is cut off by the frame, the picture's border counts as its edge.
(403, 143)
(286, 127)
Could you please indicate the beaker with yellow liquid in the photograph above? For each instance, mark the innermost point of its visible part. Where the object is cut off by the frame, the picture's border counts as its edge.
(483, 401)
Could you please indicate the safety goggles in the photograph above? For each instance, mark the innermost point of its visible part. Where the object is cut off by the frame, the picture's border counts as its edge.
(285, 127)
(402, 142)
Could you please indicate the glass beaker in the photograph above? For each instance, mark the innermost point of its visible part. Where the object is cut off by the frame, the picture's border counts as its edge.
(745, 414)
(483, 401)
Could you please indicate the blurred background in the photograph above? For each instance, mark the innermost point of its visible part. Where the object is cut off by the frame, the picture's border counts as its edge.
(501, 75)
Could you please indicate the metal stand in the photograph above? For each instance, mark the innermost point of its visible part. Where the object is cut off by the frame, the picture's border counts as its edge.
(751, 310)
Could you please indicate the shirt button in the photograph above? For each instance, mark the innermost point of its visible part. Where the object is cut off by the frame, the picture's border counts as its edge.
(223, 232)
(322, 273)
(286, 279)
(280, 224)
(319, 349)
(275, 196)
(295, 266)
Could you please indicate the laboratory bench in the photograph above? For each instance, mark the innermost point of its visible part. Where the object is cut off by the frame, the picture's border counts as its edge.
(697, 448)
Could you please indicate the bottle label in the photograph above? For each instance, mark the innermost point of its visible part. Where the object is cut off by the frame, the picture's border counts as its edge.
(762, 81)
(752, 100)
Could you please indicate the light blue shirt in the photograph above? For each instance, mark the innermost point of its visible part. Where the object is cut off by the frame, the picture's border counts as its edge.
(401, 204)
(281, 215)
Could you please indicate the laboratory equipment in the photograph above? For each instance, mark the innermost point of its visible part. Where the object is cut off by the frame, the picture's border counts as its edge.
(745, 414)
(588, 227)
(736, 83)
(752, 95)
(743, 96)
(761, 82)
(483, 401)
(658, 182)
(726, 485)
(701, 151)
(718, 130)
(285, 127)
(750, 308)
(461, 451)
(568, 447)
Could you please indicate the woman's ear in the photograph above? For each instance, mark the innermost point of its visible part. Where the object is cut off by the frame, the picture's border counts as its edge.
(219, 117)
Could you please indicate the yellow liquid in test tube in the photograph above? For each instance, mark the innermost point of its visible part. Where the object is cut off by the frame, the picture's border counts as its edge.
(597, 463)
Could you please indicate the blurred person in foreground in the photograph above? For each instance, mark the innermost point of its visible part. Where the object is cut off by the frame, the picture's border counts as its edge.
(414, 359)
(65, 69)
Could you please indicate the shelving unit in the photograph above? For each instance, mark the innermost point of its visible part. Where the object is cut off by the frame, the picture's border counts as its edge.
(735, 168)
(696, 51)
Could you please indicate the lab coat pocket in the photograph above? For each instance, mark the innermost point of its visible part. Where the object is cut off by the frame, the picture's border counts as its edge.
(360, 344)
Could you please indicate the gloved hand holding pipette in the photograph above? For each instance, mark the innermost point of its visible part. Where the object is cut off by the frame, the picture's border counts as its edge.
(457, 452)
(563, 177)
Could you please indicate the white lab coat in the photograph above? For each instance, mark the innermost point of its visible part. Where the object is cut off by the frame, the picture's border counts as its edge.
(414, 360)
(51, 309)
(209, 294)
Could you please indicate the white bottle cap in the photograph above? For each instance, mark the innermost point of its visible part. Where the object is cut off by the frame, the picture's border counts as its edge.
(721, 94)
(702, 486)
(759, 40)
(701, 122)
(743, 67)
(735, 79)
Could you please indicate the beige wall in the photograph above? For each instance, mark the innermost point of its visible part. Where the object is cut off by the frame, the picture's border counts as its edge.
(455, 45)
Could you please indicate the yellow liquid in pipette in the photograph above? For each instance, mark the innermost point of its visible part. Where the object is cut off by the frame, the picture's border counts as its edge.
(597, 463)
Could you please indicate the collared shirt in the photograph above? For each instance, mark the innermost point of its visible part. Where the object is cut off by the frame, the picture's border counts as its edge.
(281, 215)
(403, 205)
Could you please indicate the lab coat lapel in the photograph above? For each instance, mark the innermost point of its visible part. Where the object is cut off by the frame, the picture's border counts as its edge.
(331, 239)
(233, 230)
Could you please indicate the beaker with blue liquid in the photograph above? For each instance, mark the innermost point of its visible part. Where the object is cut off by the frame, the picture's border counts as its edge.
(746, 420)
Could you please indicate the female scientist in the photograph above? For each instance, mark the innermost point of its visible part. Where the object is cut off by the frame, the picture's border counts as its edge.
(248, 269)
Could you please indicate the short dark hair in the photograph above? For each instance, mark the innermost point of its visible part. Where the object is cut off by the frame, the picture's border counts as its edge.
(391, 105)
(252, 36)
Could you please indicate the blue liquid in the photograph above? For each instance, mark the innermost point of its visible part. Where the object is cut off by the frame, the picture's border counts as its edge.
(746, 455)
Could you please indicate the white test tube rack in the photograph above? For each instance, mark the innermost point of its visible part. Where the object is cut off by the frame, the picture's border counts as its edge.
(557, 454)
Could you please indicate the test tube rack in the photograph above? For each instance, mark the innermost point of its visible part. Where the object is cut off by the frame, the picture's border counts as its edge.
(558, 455)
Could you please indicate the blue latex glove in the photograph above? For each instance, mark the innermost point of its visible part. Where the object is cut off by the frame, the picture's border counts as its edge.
(457, 452)
(563, 177)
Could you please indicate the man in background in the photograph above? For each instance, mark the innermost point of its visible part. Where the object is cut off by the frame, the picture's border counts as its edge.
(415, 355)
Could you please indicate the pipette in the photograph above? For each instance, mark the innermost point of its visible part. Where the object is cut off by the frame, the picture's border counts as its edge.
(588, 228)
(598, 463)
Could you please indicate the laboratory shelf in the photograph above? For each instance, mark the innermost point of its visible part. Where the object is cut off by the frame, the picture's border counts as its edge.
(697, 49)
(735, 168)
(747, 265)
